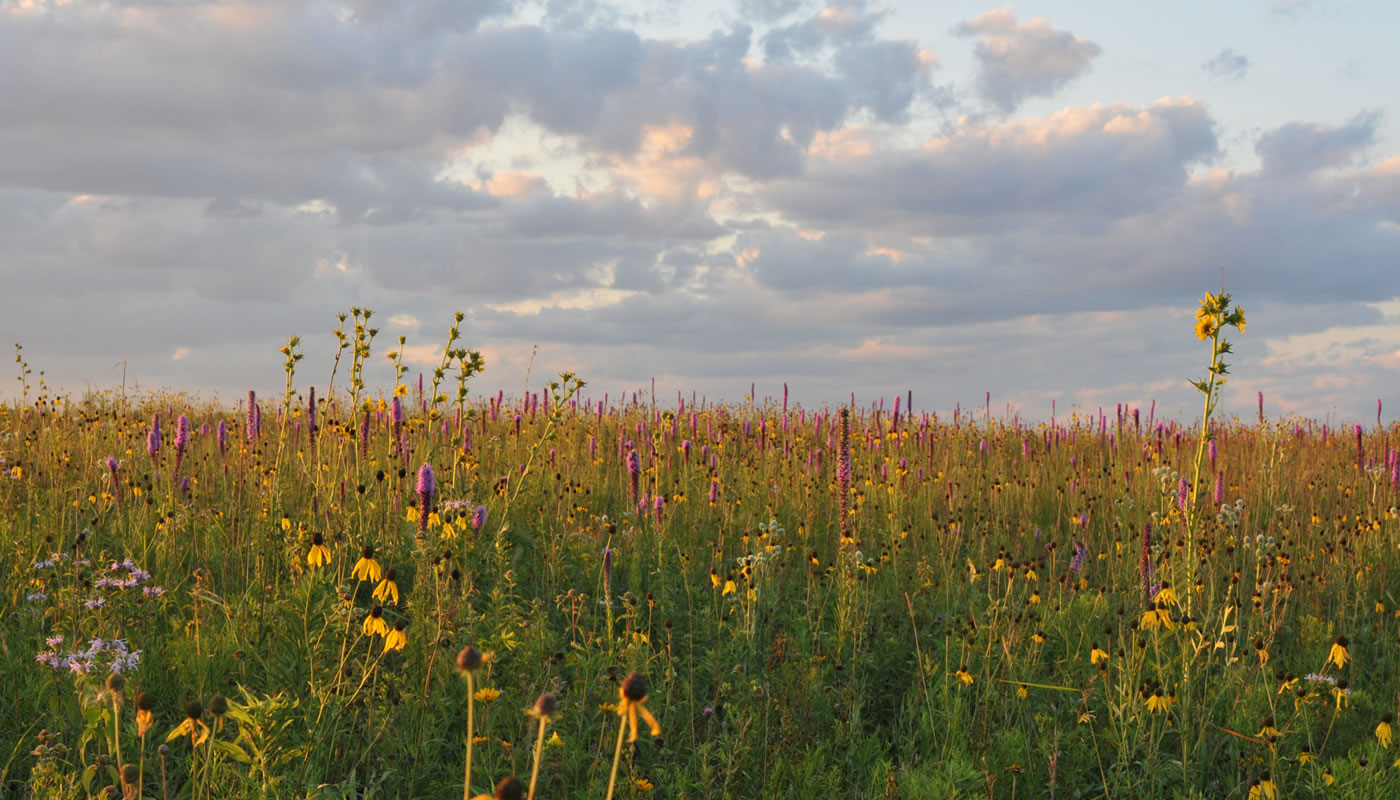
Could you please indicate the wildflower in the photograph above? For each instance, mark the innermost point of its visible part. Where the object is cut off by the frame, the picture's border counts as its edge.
(145, 716)
(479, 518)
(555, 740)
(487, 695)
(729, 586)
(963, 675)
(1305, 755)
(632, 697)
(193, 726)
(387, 588)
(1156, 617)
(1263, 788)
(1267, 729)
(375, 623)
(367, 569)
(508, 789)
(1338, 654)
(396, 639)
(1095, 654)
(427, 485)
(1341, 693)
(1157, 702)
(319, 555)
(470, 659)
(1383, 732)
(1166, 596)
(1327, 776)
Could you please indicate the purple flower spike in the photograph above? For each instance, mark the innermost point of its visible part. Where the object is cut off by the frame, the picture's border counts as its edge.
(479, 518)
(427, 482)
(250, 424)
(182, 434)
(153, 437)
(221, 433)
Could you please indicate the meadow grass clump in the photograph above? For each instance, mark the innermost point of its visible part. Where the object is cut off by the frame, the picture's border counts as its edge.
(825, 602)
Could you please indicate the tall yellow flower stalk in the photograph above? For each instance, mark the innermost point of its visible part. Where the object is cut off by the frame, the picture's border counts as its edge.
(1212, 317)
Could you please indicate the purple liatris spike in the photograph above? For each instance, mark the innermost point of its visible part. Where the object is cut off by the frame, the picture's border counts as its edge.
(396, 411)
(250, 426)
(116, 486)
(221, 434)
(1081, 552)
(153, 437)
(427, 485)
(1360, 451)
(311, 413)
(634, 471)
(607, 575)
(1219, 487)
(257, 422)
(1181, 487)
(714, 491)
(659, 504)
(479, 518)
(1145, 562)
(182, 435)
(843, 475)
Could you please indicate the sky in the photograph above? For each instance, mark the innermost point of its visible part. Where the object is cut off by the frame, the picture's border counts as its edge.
(949, 198)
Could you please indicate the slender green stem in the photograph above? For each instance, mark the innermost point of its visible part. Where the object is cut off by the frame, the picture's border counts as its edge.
(539, 750)
(467, 779)
(617, 756)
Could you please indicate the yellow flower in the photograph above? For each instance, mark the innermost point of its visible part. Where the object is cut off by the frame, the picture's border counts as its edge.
(1327, 776)
(375, 623)
(319, 555)
(1383, 733)
(193, 726)
(1264, 789)
(1095, 654)
(1267, 729)
(632, 698)
(387, 589)
(555, 740)
(367, 569)
(963, 675)
(1205, 327)
(1338, 654)
(401, 391)
(1022, 692)
(644, 785)
(396, 639)
(729, 587)
(1166, 595)
(1157, 702)
(487, 695)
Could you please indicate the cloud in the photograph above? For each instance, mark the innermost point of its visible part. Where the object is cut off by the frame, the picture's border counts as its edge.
(1300, 148)
(1227, 64)
(1017, 61)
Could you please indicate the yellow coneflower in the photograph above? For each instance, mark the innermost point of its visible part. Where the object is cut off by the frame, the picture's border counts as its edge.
(396, 639)
(1166, 595)
(1095, 654)
(1267, 729)
(508, 789)
(1338, 654)
(729, 586)
(1263, 788)
(963, 675)
(1287, 681)
(367, 569)
(1305, 755)
(387, 588)
(554, 740)
(1342, 694)
(1157, 702)
(318, 555)
(1261, 652)
(632, 697)
(1383, 732)
(1327, 776)
(1156, 617)
(487, 695)
(193, 726)
(145, 716)
(644, 785)
(375, 623)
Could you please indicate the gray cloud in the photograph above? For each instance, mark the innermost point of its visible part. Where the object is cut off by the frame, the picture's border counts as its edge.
(1018, 61)
(1299, 147)
(1227, 64)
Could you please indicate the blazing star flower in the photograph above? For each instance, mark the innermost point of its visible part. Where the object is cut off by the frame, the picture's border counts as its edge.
(153, 437)
(479, 518)
(182, 434)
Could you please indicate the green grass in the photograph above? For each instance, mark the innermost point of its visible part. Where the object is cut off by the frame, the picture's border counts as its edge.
(830, 671)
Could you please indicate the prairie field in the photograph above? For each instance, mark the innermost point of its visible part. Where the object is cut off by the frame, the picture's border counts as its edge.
(277, 597)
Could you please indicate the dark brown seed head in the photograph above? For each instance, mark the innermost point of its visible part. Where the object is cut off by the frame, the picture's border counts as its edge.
(510, 789)
(145, 702)
(194, 709)
(130, 774)
(218, 705)
(634, 687)
(546, 706)
(115, 683)
(469, 659)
